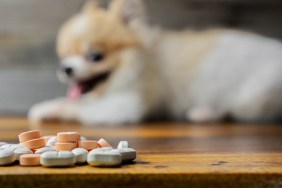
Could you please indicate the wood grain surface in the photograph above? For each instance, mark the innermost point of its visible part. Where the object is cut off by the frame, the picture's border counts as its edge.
(169, 155)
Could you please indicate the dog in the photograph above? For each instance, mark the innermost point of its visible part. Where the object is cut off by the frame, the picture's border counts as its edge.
(121, 70)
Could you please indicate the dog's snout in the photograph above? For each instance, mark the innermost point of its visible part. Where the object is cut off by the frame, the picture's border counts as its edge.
(68, 71)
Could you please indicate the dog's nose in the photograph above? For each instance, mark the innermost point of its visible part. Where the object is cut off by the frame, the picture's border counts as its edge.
(68, 71)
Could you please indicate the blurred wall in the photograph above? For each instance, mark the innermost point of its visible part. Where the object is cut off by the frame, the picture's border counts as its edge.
(28, 30)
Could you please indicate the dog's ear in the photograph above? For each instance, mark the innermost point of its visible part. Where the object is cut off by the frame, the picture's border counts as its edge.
(91, 5)
(127, 10)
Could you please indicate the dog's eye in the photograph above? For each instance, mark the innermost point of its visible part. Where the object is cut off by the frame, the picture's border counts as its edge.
(95, 57)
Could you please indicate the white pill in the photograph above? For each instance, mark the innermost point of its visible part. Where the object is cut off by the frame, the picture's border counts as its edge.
(57, 159)
(83, 138)
(103, 149)
(11, 146)
(20, 151)
(128, 154)
(51, 141)
(7, 157)
(80, 154)
(104, 157)
(122, 144)
(44, 149)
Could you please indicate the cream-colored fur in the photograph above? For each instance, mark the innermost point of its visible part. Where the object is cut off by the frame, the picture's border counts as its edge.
(199, 76)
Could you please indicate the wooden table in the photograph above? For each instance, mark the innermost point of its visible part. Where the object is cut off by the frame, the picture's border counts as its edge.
(169, 155)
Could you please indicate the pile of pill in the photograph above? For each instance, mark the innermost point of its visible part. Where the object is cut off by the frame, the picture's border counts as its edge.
(64, 150)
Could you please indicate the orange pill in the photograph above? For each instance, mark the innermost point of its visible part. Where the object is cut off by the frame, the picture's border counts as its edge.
(34, 143)
(29, 135)
(88, 144)
(103, 143)
(30, 160)
(68, 137)
(65, 146)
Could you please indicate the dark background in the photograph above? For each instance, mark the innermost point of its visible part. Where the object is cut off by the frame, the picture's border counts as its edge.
(28, 31)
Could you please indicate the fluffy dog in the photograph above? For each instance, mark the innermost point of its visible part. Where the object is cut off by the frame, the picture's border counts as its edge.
(121, 70)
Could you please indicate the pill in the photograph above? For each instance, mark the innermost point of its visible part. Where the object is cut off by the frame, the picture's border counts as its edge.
(122, 144)
(20, 151)
(30, 160)
(57, 159)
(47, 138)
(7, 157)
(29, 135)
(44, 149)
(34, 143)
(104, 158)
(12, 147)
(82, 138)
(80, 154)
(65, 146)
(127, 154)
(68, 137)
(103, 143)
(88, 144)
(51, 141)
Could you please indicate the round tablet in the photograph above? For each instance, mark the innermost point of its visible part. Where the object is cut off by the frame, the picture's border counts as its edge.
(88, 144)
(80, 154)
(30, 160)
(34, 144)
(20, 151)
(57, 159)
(65, 146)
(7, 157)
(29, 135)
(103, 143)
(68, 137)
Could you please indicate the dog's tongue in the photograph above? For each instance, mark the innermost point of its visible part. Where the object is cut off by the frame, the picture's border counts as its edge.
(74, 92)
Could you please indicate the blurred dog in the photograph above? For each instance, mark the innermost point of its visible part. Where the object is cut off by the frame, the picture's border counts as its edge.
(121, 70)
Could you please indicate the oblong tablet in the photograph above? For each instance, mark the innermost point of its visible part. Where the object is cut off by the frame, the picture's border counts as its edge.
(29, 135)
(68, 137)
(7, 157)
(44, 149)
(127, 154)
(80, 154)
(34, 144)
(30, 160)
(104, 158)
(21, 151)
(57, 159)
(65, 146)
(88, 144)
(103, 143)
(11, 146)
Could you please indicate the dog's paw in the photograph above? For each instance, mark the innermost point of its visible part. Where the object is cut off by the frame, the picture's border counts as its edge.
(109, 117)
(49, 110)
(112, 111)
(202, 115)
